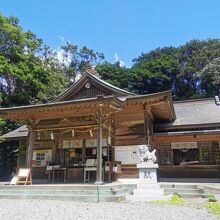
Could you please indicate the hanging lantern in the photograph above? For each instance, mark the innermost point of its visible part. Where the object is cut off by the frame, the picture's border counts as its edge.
(73, 133)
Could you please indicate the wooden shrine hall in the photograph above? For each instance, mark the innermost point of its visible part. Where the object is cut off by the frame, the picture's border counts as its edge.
(92, 130)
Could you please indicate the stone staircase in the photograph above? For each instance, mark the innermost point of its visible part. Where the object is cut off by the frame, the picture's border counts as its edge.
(184, 190)
(82, 193)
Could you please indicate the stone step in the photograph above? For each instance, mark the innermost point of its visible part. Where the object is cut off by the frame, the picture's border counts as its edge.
(148, 186)
(182, 186)
(80, 198)
(64, 187)
(181, 190)
(149, 192)
(190, 195)
(58, 186)
(144, 198)
(82, 192)
(184, 190)
(45, 187)
(65, 192)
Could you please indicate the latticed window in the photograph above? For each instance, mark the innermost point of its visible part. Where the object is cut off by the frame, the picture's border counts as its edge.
(164, 154)
(209, 152)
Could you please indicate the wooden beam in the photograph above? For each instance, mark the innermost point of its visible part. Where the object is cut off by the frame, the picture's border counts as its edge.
(186, 138)
(66, 128)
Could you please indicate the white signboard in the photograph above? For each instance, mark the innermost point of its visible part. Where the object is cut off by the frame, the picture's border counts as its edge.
(126, 154)
(66, 144)
(72, 144)
(41, 157)
(184, 145)
(93, 142)
(76, 143)
(23, 172)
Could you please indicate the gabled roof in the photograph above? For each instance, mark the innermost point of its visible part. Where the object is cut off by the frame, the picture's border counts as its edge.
(89, 86)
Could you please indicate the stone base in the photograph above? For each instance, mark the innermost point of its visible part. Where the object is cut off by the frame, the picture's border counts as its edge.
(147, 192)
(148, 172)
(148, 189)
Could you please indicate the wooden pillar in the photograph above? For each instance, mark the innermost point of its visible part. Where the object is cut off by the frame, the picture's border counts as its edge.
(99, 176)
(147, 116)
(84, 152)
(108, 153)
(30, 149)
(146, 126)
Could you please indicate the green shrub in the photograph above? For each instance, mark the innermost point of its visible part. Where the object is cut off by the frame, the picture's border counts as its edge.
(210, 197)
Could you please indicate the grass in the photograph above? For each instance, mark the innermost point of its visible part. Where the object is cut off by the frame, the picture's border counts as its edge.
(214, 208)
(212, 204)
(174, 200)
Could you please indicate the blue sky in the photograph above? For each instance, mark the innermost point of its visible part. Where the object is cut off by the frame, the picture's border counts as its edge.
(122, 28)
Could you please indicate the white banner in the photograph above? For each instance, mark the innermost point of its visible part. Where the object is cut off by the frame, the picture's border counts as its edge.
(184, 145)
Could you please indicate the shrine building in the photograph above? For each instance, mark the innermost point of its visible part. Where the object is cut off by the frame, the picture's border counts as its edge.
(95, 120)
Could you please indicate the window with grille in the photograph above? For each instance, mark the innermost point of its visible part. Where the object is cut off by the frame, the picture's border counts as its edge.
(164, 154)
(209, 153)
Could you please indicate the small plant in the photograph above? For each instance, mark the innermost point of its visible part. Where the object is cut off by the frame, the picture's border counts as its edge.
(214, 207)
(176, 199)
(177, 194)
(210, 197)
(212, 204)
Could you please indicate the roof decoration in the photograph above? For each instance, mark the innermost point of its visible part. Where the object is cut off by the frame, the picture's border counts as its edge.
(89, 86)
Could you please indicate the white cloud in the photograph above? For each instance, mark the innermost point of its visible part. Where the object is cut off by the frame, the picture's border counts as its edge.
(117, 59)
(61, 56)
(65, 60)
(62, 39)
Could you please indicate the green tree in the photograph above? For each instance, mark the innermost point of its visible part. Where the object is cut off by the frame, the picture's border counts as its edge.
(177, 69)
(29, 71)
(210, 76)
(76, 60)
(115, 75)
(26, 75)
(193, 57)
(156, 71)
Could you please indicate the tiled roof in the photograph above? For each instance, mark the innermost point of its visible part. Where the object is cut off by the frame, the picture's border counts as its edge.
(194, 112)
(197, 112)
(20, 132)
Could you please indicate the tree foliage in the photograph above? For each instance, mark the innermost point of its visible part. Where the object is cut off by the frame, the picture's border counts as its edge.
(190, 71)
(115, 75)
(210, 76)
(76, 60)
(27, 72)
